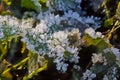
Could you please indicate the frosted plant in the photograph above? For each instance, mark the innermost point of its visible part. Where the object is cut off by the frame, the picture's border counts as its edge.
(35, 37)
(52, 36)
(1, 34)
(8, 26)
(74, 19)
(72, 13)
(61, 45)
(37, 4)
(70, 18)
(92, 21)
(61, 36)
(78, 1)
(88, 75)
(62, 50)
(105, 77)
(116, 52)
(111, 74)
(77, 67)
(91, 32)
(29, 14)
(46, 39)
(63, 4)
(61, 66)
(41, 28)
(11, 26)
(26, 24)
(96, 4)
(99, 58)
(9, 20)
(49, 18)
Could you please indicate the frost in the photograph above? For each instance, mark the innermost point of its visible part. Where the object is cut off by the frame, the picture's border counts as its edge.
(76, 67)
(116, 52)
(92, 21)
(69, 17)
(88, 75)
(1, 35)
(92, 33)
(99, 58)
(111, 74)
(63, 4)
(62, 66)
(57, 36)
(105, 77)
(61, 35)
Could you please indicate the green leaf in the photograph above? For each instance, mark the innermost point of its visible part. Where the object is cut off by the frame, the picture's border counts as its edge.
(100, 43)
(118, 62)
(118, 11)
(35, 72)
(98, 68)
(42, 1)
(111, 57)
(7, 2)
(108, 23)
(29, 4)
(6, 72)
(3, 50)
(76, 75)
(67, 55)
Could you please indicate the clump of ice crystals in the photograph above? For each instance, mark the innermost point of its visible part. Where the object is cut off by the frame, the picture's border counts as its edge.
(111, 74)
(88, 75)
(63, 4)
(91, 32)
(72, 13)
(56, 45)
(99, 58)
(8, 26)
(51, 35)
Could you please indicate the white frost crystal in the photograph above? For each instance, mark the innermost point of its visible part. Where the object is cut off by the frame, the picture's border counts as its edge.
(92, 33)
(111, 74)
(88, 75)
(99, 58)
(52, 35)
(116, 52)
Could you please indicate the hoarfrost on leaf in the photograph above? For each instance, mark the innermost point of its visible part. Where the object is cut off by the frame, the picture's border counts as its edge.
(91, 32)
(111, 74)
(116, 52)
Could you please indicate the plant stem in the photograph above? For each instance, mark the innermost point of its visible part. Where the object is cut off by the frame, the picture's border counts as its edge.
(115, 27)
(44, 67)
(15, 66)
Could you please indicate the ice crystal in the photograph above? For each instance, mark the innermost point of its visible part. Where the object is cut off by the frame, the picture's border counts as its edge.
(63, 4)
(61, 50)
(111, 74)
(92, 33)
(8, 26)
(116, 52)
(88, 75)
(99, 58)
(92, 21)
(113, 50)
(69, 19)
(54, 35)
